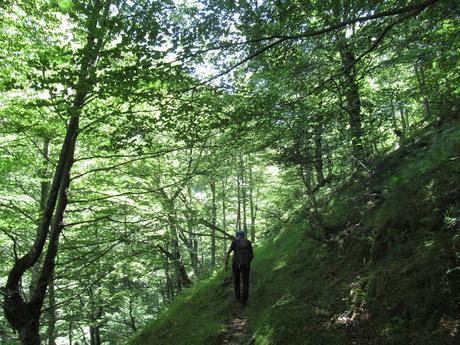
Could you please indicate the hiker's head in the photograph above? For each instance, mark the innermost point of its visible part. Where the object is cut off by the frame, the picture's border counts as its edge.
(240, 234)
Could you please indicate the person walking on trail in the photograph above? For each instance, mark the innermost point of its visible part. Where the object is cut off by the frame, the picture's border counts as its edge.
(241, 264)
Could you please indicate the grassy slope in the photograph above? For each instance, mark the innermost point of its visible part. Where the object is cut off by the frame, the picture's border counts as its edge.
(388, 274)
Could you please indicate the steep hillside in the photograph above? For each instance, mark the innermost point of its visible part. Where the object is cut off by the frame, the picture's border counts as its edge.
(387, 270)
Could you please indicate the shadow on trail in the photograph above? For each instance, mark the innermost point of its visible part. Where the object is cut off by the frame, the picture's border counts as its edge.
(236, 331)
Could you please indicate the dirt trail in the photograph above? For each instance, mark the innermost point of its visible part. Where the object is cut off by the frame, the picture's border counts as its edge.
(236, 331)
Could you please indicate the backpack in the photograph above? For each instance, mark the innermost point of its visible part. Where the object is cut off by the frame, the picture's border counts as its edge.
(242, 256)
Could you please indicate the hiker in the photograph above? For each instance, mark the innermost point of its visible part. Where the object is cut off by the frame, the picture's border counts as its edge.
(241, 264)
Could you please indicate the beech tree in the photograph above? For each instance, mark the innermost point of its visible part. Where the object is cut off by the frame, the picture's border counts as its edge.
(137, 136)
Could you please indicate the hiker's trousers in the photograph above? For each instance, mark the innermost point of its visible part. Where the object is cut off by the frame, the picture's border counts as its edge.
(241, 272)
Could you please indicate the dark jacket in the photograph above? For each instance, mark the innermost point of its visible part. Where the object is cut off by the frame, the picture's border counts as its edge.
(242, 252)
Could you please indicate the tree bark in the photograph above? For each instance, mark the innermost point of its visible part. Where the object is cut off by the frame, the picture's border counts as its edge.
(96, 314)
(168, 284)
(181, 273)
(174, 254)
(51, 332)
(252, 205)
(70, 333)
(213, 221)
(243, 192)
(238, 190)
(224, 212)
(193, 243)
(44, 189)
(404, 121)
(420, 75)
(132, 320)
(24, 316)
(353, 102)
(318, 162)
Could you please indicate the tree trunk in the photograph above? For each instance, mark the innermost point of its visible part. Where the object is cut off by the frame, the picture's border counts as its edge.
(238, 190)
(83, 335)
(404, 121)
(95, 335)
(132, 320)
(174, 253)
(243, 192)
(96, 314)
(44, 190)
(305, 174)
(168, 283)
(28, 332)
(252, 205)
(420, 75)
(24, 316)
(224, 210)
(213, 221)
(51, 333)
(393, 116)
(318, 162)
(353, 102)
(157, 303)
(181, 273)
(193, 243)
(70, 333)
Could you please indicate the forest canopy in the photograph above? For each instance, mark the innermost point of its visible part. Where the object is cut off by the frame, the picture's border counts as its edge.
(137, 136)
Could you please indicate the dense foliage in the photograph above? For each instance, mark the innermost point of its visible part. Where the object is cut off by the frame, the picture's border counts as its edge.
(137, 136)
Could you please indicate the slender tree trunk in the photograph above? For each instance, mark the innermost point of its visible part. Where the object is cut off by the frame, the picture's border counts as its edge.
(157, 303)
(213, 221)
(45, 183)
(96, 314)
(174, 253)
(252, 205)
(168, 283)
(399, 131)
(224, 210)
(238, 189)
(329, 163)
(44, 190)
(353, 102)
(404, 121)
(193, 243)
(51, 333)
(132, 320)
(181, 273)
(305, 174)
(393, 115)
(196, 262)
(243, 192)
(95, 334)
(420, 75)
(319, 153)
(83, 335)
(70, 332)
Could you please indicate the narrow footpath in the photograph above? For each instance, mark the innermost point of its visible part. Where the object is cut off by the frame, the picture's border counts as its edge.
(236, 331)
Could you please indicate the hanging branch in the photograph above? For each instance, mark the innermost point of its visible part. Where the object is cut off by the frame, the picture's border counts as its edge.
(408, 10)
